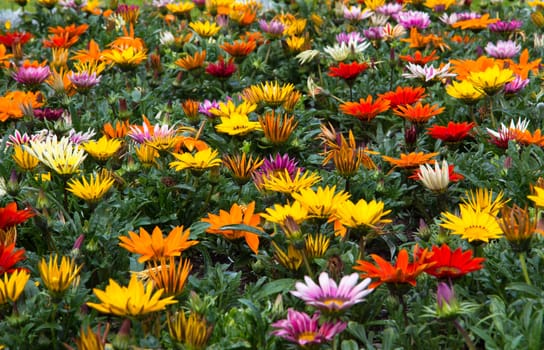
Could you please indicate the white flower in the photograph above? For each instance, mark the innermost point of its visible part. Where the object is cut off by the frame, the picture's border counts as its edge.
(3, 189)
(307, 56)
(436, 179)
(166, 38)
(340, 52)
(427, 72)
(538, 41)
(507, 132)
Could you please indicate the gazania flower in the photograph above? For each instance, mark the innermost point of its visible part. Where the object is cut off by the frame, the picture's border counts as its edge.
(132, 300)
(428, 73)
(9, 257)
(465, 91)
(285, 183)
(505, 27)
(279, 213)
(62, 156)
(413, 19)
(507, 133)
(411, 160)
(242, 167)
(316, 245)
(239, 49)
(271, 93)
(15, 40)
(199, 161)
(403, 95)
(418, 58)
(12, 285)
(88, 339)
(127, 58)
(475, 24)
(519, 226)
(91, 54)
(274, 28)
(348, 72)
(492, 79)
(537, 197)
(401, 272)
(439, 5)
(362, 215)
(237, 215)
(437, 179)
(155, 246)
(305, 331)
(502, 49)
(147, 155)
(10, 217)
(169, 276)
(226, 109)
(32, 73)
(482, 199)
(450, 264)
(292, 259)
(193, 331)
(418, 113)
(237, 124)
(452, 133)
(365, 110)
(58, 278)
(473, 224)
(181, 8)
(103, 149)
(321, 203)
(221, 69)
(513, 87)
(277, 128)
(92, 190)
(330, 297)
(87, 75)
(205, 29)
(23, 159)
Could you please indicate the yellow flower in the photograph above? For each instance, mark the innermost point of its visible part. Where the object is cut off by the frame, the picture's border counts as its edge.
(169, 276)
(465, 91)
(47, 3)
(180, 8)
(94, 189)
(491, 80)
(147, 155)
(316, 245)
(538, 197)
(242, 167)
(194, 332)
(200, 161)
(58, 278)
(271, 93)
(229, 108)
(323, 203)
(439, 4)
(282, 182)
(155, 246)
(374, 4)
(279, 213)
(362, 215)
(89, 340)
(133, 300)
(473, 224)
(126, 58)
(482, 200)
(296, 44)
(12, 285)
(23, 159)
(205, 29)
(103, 149)
(291, 260)
(237, 124)
(62, 156)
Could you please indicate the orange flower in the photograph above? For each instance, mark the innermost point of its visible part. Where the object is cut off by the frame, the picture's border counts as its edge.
(13, 103)
(92, 53)
(419, 113)
(239, 49)
(60, 41)
(192, 62)
(524, 66)
(463, 68)
(71, 30)
(10, 217)
(411, 160)
(155, 246)
(475, 24)
(237, 215)
(399, 273)
(420, 41)
(526, 138)
(277, 128)
(365, 110)
(118, 132)
(403, 95)
(419, 59)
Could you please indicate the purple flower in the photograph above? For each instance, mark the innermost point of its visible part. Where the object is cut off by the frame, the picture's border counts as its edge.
(413, 19)
(373, 33)
(444, 294)
(303, 330)
(83, 81)
(515, 85)
(505, 26)
(390, 9)
(349, 37)
(49, 114)
(503, 49)
(331, 297)
(355, 13)
(30, 75)
(274, 28)
(205, 107)
(80, 137)
(273, 165)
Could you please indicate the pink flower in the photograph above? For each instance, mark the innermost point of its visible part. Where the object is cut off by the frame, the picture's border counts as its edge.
(413, 19)
(503, 49)
(331, 297)
(300, 329)
(31, 75)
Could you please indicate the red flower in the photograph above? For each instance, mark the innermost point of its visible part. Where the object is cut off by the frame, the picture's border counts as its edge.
(450, 264)
(419, 59)
(9, 257)
(454, 132)
(221, 69)
(406, 95)
(419, 113)
(454, 177)
(9, 39)
(365, 110)
(10, 216)
(348, 72)
(401, 272)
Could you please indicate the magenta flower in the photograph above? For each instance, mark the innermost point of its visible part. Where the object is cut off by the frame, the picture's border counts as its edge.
(79, 137)
(49, 114)
(503, 49)
(515, 86)
(274, 165)
(302, 330)
(221, 69)
(205, 107)
(413, 19)
(273, 28)
(349, 37)
(505, 26)
(83, 81)
(373, 33)
(390, 9)
(331, 297)
(31, 75)
(355, 13)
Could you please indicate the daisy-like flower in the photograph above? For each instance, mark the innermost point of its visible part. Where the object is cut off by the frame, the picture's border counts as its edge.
(492, 79)
(237, 125)
(411, 160)
(452, 133)
(538, 196)
(349, 37)
(205, 29)
(401, 272)
(16, 104)
(389, 9)
(374, 33)
(242, 167)
(221, 69)
(155, 246)
(355, 13)
(125, 58)
(448, 263)
(199, 161)
(285, 183)
(507, 133)
(103, 149)
(132, 300)
(292, 259)
(341, 52)
(56, 277)
(92, 190)
(10, 217)
(362, 215)
(274, 28)
(519, 226)
(515, 86)
(348, 72)
(32, 73)
(168, 275)
(49, 114)
(206, 106)
(79, 137)
(193, 331)
(279, 213)
(12, 285)
(303, 330)
(270, 93)
(277, 128)
(62, 156)
(427, 73)
(437, 179)
(180, 8)
(418, 113)
(485, 200)
(237, 215)
(505, 27)
(87, 75)
(296, 44)
(193, 62)
(9, 257)
(473, 224)
(23, 159)
(503, 49)
(330, 297)
(316, 245)
(321, 203)
(403, 95)
(475, 24)
(419, 59)
(465, 91)
(439, 5)
(307, 56)
(366, 109)
(413, 19)
(276, 164)
(226, 109)
(239, 49)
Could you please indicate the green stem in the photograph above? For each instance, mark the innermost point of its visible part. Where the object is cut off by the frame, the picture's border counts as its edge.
(493, 123)
(307, 264)
(524, 268)
(465, 335)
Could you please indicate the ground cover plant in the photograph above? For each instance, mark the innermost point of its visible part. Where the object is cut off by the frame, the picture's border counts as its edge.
(305, 174)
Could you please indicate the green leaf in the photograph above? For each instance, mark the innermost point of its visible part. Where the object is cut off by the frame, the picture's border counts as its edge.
(242, 227)
(349, 345)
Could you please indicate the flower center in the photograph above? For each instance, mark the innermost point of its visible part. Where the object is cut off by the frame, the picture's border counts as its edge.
(307, 337)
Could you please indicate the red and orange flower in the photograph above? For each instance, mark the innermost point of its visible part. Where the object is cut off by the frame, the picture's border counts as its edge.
(450, 264)
(403, 95)
(348, 71)
(453, 132)
(419, 113)
(365, 109)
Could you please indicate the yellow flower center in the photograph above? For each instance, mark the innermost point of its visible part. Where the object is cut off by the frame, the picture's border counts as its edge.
(338, 302)
(476, 231)
(307, 337)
